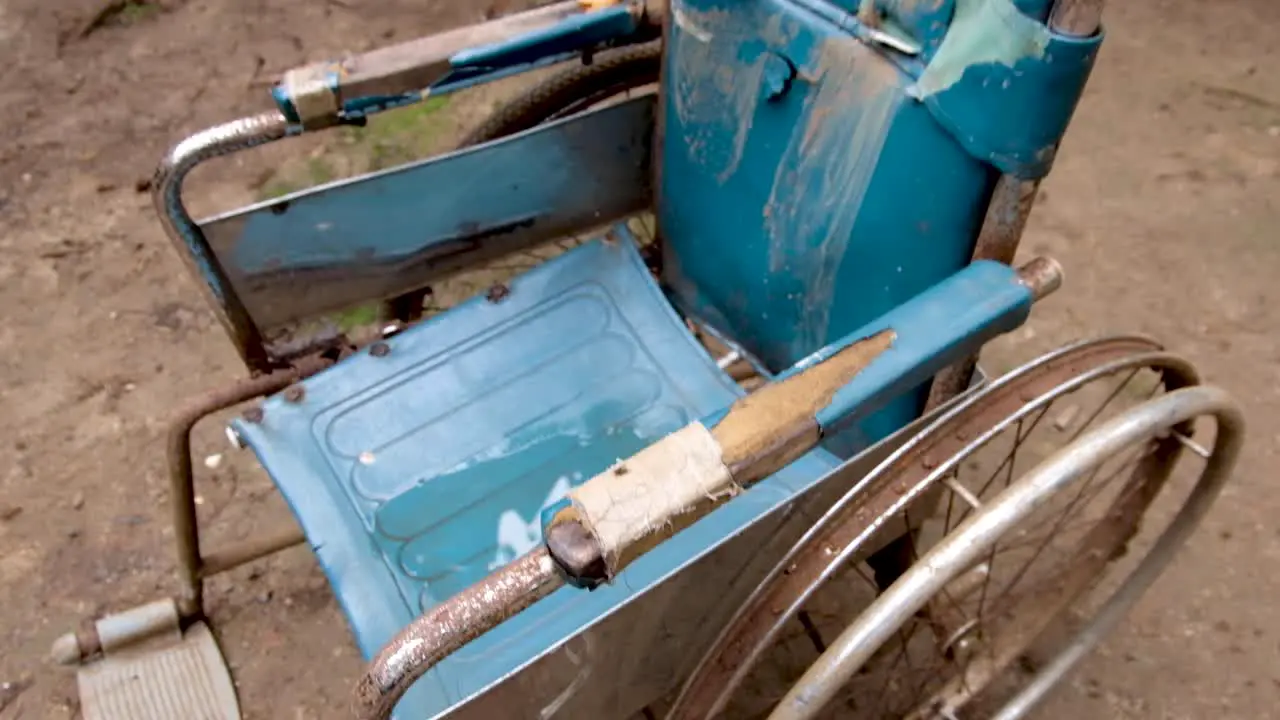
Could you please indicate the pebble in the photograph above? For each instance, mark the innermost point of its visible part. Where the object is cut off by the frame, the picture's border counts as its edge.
(77, 501)
(213, 461)
(1066, 418)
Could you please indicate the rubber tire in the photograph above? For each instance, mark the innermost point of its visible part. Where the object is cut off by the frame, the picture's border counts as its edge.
(570, 91)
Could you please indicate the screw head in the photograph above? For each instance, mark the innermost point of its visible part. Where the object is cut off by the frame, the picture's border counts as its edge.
(379, 349)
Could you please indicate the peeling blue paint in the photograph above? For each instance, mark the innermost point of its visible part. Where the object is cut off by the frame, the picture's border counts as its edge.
(982, 32)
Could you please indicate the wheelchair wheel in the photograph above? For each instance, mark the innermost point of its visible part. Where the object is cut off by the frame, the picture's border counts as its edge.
(942, 635)
(979, 642)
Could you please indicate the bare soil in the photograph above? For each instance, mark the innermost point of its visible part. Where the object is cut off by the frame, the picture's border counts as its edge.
(1163, 207)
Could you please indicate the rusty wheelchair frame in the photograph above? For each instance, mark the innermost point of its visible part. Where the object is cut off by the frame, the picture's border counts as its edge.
(622, 481)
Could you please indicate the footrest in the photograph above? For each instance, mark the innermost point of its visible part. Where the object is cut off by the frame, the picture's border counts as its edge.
(171, 677)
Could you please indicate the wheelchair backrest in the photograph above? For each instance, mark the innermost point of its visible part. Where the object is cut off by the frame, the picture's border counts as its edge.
(820, 166)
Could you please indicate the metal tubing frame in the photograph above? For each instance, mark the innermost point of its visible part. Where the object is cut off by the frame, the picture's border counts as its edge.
(1012, 199)
(166, 194)
(381, 70)
(965, 546)
(1178, 373)
(194, 567)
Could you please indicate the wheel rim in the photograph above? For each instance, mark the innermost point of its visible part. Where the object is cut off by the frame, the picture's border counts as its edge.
(1064, 473)
(844, 535)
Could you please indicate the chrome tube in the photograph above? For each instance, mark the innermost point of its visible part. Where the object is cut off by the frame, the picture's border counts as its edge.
(166, 194)
(966, 546)
(450, 625)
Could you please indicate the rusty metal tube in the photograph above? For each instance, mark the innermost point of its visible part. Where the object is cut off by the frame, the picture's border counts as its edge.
(166, 194)
(450, 625)
(186, 531)
(1013, 197)
(1079, 18)
(1012, 200)
(233, 556)
(1042, 276)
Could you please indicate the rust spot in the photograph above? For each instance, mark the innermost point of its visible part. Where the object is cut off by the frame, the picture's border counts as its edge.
(497, 293)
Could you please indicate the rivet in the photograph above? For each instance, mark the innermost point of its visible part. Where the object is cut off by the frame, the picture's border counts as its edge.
(497, 293)
(380, 349)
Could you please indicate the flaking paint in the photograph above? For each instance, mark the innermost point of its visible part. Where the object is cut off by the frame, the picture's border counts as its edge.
(823, 177)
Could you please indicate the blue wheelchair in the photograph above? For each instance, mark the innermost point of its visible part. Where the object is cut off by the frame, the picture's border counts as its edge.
(741, 408)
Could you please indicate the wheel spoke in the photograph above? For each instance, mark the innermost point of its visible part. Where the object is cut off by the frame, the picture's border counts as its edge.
(1113, 395)
(1068, 513)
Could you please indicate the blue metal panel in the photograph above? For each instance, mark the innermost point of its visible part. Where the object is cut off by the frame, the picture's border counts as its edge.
(1005, 86)
(794, 221)
(376, 235)
(414, 473)
(935, 329)
(790, 223)
(572, 35)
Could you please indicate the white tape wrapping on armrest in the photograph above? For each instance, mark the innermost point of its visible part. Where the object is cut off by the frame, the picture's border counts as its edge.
(640, 496)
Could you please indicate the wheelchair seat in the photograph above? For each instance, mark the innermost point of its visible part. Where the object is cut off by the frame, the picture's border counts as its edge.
(417, 468)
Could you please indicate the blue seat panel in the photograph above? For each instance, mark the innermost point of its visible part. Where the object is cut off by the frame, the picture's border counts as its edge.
(417, 472)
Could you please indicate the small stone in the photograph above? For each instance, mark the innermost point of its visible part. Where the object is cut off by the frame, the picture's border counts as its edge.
(77, 501)
(73, 533)
(199, 500)
(9, 512)
(142, 184)
(26, 177)
(213, 461)
(1066, 418)
(265, 597)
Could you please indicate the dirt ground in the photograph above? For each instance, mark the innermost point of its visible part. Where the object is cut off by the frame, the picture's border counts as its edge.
(1164, 208)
